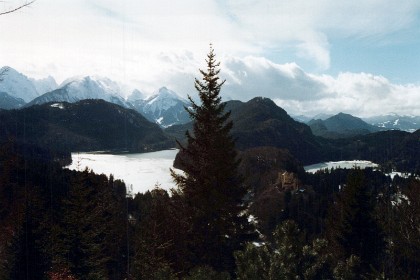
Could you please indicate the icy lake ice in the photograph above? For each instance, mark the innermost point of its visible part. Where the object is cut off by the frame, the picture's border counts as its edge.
(346, 164)
(143, 171)
(140, 171)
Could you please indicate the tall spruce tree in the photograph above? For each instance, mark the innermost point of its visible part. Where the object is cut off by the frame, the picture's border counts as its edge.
(351, 227)
(211, 189)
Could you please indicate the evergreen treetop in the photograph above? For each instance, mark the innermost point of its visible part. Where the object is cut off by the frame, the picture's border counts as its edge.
(211, 188)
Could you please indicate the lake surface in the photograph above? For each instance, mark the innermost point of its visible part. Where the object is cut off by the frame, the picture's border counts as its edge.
(143, 171)
(140, 172)
(345, 164)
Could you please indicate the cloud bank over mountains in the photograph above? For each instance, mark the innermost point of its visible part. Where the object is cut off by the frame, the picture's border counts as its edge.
(292, 51)
(299, 92)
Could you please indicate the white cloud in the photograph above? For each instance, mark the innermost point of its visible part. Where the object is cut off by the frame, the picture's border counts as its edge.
(254, 76)
(298, 92)
(112, 36)
(149, 44)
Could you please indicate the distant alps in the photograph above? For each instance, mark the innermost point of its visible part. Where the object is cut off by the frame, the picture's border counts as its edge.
(166, 107)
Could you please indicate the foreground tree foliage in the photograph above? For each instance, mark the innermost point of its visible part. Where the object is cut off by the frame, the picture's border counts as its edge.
(352, 228)
(399, 213)
(56, 223)
(158, 246)
(211, 189)
(290, 257)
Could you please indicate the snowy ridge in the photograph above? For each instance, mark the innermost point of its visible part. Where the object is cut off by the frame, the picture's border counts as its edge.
(17, 85)
(165, 107)
(80, 88)
(394, 121)
(92, 88)
(163, 100)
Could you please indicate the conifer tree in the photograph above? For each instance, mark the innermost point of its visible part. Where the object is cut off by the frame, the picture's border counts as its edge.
(351, 227)
(90, 237)
(211, 189)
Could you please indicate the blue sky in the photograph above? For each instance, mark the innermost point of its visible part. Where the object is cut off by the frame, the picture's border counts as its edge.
(358, 56)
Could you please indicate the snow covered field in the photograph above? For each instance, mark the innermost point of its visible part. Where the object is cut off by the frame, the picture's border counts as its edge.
(347, 164)
(141, 171)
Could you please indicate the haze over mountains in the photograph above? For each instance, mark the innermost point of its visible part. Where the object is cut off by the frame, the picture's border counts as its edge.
(165, 107)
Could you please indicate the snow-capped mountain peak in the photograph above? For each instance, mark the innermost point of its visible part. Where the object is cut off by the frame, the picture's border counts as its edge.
(80, 88)
(163, 100)
(164, 93)
(91, 87)
(17, 85)
(165, 107)
(136, 95)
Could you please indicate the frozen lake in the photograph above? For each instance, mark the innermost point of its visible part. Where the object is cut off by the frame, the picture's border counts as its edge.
(141, 172)
(346, 164)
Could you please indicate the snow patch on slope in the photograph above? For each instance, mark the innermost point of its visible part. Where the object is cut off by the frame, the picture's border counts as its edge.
(58, 105)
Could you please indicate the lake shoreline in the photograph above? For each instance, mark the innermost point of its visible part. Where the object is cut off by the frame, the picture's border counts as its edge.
(140, 172)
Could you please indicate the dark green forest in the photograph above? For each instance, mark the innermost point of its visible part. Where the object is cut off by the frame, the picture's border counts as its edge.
(243, 209)
(62, 224)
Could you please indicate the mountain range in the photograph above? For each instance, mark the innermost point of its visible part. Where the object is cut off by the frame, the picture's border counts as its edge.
(345, 125)
(260, 122)
(395, 121)
(92, 125)
(81, 88)
(341, 126)
(165, 107)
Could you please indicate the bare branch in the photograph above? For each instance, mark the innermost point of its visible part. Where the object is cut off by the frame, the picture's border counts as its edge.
(17, 8)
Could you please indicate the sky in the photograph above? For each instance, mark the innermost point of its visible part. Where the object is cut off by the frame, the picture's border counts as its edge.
(325, 56)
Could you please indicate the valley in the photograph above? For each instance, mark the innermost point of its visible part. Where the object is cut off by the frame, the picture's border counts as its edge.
(83, 158)
(209, 140)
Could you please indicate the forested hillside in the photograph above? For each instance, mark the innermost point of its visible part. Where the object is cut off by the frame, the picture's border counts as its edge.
(88, 125)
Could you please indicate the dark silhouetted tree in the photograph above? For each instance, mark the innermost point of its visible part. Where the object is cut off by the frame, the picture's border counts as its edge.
(289, 257)
(158, 248)
(399, 214)
(351, 227)
(211, 189)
